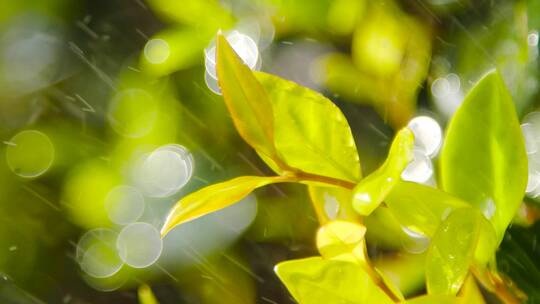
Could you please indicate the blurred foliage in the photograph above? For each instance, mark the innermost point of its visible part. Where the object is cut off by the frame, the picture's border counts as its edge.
(107, 82)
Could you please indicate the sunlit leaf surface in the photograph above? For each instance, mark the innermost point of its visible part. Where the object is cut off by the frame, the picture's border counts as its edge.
(372, 190)
(341, 240)
(310, 132)
(483, 160)
(316, 280)
(421, 208)
(213, 198)
(432, 299)
(246, 100)
(451, 252)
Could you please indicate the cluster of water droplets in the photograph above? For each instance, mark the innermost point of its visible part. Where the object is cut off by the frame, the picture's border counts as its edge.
(102, 252)
(427, 142)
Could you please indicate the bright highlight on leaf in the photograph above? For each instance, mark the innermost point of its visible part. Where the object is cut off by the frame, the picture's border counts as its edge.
(246, 100)
(421, 208)
(452, 251)
(215, 197)
(341, 240)
(316, 280)
(310, 132)
(372, 190)
(483, 160)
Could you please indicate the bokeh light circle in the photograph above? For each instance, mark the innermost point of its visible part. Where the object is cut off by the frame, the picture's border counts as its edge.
(139, 245)
(124, 205)
(29, 153)
(96, 253)
(427, 134)
(133, 112)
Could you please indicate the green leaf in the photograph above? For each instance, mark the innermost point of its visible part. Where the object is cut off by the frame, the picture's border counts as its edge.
(331, 203)
(431, 299)
(372, 190)
(405, 270)
(341, 240)
(214, 198)
(310, 132)
(145, 295)
(452, 251)
(316, 280)
(246, 100)
(421, 208)
(470, 293)
(483, 160)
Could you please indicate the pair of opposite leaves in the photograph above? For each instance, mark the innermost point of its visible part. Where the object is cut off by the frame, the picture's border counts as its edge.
(305, 138)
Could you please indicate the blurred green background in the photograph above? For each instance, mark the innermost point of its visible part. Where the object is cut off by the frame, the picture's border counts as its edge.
(89, 88)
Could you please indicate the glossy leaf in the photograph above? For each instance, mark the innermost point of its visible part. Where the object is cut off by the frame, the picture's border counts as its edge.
(406, 271)
(331, 203)
(470, 293)
(451, 251)
(316, 280)
(246, 100)
(432, 299)
(392, 285)
(372, 190)
(146, 296)
(421, 208)
(310, 132)
(214, 198)
(341, 240)
(483, 160)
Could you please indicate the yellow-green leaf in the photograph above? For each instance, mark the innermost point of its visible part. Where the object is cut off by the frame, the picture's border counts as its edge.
(470, 293)
(317, 280)
(421, 208)
(483, 160)
(310, 132)
(332, 203)
(246, 100)
(372, 190)
(146, 296)
(215, 197)
(451, 251)
(341, 240)
(433, 299)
